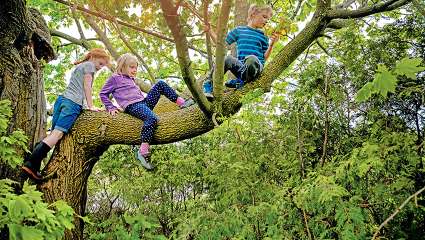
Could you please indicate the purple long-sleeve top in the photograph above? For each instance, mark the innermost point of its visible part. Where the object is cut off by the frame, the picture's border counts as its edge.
(123, 89)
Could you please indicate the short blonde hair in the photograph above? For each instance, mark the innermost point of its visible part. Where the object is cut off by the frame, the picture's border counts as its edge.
(124, 61)
(254, 9)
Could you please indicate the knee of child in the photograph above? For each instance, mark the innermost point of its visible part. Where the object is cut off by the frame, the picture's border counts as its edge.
(228, 60)
(152, 121)
(251, 60)
(57, 133)
(161, 82)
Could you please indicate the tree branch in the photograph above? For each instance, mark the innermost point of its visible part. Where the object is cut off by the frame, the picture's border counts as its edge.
(297, 9)
(173, 22)
(111, 18)
(220, 52)
(366, 11)
(71, 39)
(139, 57)
(207, 34)
(80, 29)
(337, 23)
(102, 36)
(397, 211)
(345, 4)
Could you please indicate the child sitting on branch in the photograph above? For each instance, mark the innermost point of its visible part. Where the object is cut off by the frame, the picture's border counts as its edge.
(68, 107)
(253, 48)
(129, 97)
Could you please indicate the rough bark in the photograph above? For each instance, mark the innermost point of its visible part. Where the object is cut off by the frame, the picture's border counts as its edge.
(20, 76)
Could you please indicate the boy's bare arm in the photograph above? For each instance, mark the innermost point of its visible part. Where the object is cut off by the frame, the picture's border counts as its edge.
(273, 39)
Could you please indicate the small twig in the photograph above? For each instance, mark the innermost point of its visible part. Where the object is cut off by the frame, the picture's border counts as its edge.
(397, 211)
(213, 118)
(139, 57)
(110, 18)
(306, 224)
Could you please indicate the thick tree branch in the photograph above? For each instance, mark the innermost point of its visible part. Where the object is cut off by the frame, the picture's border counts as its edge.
(338, 23)
(220, 52)
(386, 6)
(111, 18)
(71, 39)
(173, 22)
(132, 50)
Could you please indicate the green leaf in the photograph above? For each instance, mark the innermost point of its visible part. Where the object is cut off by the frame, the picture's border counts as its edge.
(409, 67)
(365, 92)
(384, 81)
(66, 222)
(19, 208)
(41, 211)
(63, 208)
(19, 232)
(32, 192)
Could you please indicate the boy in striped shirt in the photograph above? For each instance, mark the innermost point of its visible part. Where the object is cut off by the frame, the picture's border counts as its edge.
(253, 48)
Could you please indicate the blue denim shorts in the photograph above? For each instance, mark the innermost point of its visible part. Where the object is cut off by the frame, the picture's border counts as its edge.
(65, 113)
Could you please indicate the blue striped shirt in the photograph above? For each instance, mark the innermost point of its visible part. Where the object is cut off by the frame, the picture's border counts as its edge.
(249, 41)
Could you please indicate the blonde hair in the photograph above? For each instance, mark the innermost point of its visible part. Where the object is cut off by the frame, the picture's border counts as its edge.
(95, 53)
(124, 61)
(254, 9)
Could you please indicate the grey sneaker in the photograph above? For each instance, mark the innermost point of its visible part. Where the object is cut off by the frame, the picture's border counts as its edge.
(144, 160)
(189, 102)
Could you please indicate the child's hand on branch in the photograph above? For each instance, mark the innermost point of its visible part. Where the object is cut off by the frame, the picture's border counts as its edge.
(113, 112)
(94, 109)
(274, 38)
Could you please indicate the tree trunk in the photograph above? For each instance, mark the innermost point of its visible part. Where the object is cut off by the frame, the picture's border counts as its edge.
(20, 78)
(71, 167)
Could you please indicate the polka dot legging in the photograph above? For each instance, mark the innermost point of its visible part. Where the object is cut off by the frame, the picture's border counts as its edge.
(143, 109)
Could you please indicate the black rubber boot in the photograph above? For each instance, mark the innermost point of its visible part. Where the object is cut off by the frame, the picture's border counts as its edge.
(33, 162)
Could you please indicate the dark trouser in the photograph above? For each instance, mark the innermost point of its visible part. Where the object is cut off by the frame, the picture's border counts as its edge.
(247, 70)
(144, 109)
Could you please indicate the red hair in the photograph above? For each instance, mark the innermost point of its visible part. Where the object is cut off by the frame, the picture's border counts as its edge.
(94, 53)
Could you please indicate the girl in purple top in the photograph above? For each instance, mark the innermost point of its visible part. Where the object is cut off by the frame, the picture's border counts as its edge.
(129, 96)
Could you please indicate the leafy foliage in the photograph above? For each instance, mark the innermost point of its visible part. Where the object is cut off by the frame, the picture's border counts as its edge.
(386, 81)
(10, 142)
(26, 215)
(259, 175)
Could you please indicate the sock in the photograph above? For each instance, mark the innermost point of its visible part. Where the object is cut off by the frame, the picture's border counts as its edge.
(144, 149)
(38, 154)
(180, 101)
